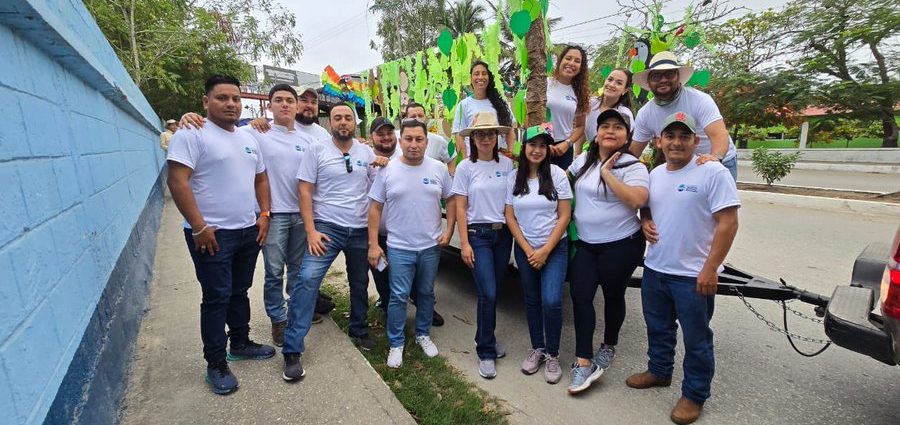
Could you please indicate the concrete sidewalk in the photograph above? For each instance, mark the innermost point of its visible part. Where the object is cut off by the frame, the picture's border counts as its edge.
(166, 384)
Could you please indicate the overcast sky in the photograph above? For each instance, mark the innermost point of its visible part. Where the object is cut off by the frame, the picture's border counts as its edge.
(339, 35)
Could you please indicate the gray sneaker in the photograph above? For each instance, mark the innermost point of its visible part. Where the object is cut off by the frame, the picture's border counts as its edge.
(582, 377)
(552, 370)
(533, 361)
(605, 356)
(487, 369)
(501, 353)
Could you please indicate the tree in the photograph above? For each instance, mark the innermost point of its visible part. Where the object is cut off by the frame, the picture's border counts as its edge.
(465, 16)
(832, 40)
(750, 43)
(407, 26)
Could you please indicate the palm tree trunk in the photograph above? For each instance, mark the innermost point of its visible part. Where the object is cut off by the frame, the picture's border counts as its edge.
(536, 85)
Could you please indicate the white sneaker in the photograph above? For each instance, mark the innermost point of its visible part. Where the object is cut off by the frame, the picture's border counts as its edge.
(428, 347)
(395, 357)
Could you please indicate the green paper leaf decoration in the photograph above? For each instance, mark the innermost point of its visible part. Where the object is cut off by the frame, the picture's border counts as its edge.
(445, 41)
(657, 45)
(519, 23)
(699, 79)
(606, 71)
(692, 40)
(545, 5)
(449, 98)
(549, 62)
(548, 116)
(637, 65)
(462, 51)
(533, 7)
(637, 90)
(519, 108)
(660, 21)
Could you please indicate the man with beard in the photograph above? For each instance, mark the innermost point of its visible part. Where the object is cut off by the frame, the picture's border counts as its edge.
(334, 183)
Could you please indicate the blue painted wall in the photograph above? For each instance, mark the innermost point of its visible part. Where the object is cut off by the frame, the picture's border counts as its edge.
(79, 161)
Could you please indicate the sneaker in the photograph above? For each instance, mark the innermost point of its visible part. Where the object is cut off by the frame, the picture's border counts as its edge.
(487, 369)
(365, 343)
(582, 377)
(395, 357)
(250, 351)
(220, 378)
(293, 369)
(533, 361)
(427, 345)
(605, 356)
(501, 353)
(437, 319)
(552, 371)
(318, 318)
(278, 333)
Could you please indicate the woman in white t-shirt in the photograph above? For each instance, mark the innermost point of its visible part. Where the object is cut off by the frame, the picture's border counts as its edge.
(610, 186)
(485, 98)
(480, 186)
(568, 101)
(617, 94)
(538, 208)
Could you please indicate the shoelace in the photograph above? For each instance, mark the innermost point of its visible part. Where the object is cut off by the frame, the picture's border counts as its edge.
(535, 355)
(553, 364)
(605, 355)
(222, 368)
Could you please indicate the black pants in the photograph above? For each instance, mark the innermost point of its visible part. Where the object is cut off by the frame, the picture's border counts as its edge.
(610, 266)
(224, 279)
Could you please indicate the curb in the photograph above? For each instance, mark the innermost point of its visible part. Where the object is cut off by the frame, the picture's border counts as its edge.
(844, 167)
(881, 209)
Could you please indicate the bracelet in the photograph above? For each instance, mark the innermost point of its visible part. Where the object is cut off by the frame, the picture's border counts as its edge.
(200, 232)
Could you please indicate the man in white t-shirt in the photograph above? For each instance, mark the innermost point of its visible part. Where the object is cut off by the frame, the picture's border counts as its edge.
(438, 146)
(334, 184)
(217, 178)
(409, 192)
(695, 210)
(384, 142)
(666, 78)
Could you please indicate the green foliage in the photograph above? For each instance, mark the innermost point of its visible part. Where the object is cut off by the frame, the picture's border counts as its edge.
(773, 166)
(465, 16)
(408, 26)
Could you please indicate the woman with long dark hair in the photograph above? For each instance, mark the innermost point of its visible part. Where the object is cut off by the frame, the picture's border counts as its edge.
(538, 209)
(568, 99)
(610, 187)
(485, 241)
(485, 98)
(617, 94)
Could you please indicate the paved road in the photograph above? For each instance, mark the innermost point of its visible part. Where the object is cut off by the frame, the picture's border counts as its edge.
(759, 379)
(831, 179)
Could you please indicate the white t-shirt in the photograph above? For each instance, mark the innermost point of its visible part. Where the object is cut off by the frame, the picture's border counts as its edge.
(282, 151)
(562, 102)
(537, 215)
(339, 197)
(313, 132)
(382, 229)
(601, 217)
(438, 147)
(465, 116)
(484, 183)
(225, 165)
(682, 204)
(701, 106)
(412, 202)
(590, 124)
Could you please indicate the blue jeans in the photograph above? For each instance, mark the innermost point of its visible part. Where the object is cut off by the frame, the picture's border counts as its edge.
(543, 296)
(354, 243)
(667, 298)
(491, 248)
(224, 281)
(284, 247)
(406, 268)
(731, 165)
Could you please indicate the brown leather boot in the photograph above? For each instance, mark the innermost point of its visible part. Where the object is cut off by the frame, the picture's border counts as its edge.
(686, 412)
(278, 333)
(646, 380)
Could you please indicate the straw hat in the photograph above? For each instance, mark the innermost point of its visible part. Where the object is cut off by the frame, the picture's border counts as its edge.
(485, 121)
(660, 62)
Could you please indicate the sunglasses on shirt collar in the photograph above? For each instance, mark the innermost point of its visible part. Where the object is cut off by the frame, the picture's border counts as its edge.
(347, 163)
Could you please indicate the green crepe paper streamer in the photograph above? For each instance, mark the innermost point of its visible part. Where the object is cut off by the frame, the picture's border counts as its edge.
(650, 96)
(548, 116)
(692, 40)
(449, 98)
(637, 65)
(445, 41)
(606, 71)
(490, 43)
(421, 80)
(545, 5)
(519, 23)
(519, 107)
(462, 52)
(533, 7)
(660, 20)
(657, 45)
(636, 89)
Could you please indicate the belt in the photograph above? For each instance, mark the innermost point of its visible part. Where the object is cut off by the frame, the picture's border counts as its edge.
(485, 226)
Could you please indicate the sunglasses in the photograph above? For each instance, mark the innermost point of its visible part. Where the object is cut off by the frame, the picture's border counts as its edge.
(669, 74)
(347, 163)
(480, 134)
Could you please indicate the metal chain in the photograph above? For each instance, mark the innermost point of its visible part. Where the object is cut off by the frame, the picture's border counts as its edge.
(799, 314)
(774, 327)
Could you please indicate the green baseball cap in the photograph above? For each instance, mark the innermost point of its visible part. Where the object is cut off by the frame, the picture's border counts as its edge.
(681, 118)
(543, 131)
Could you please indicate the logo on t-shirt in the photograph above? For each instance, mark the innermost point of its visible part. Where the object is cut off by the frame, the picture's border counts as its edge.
(299, 148)
(426, 180)
(572, 98)
(499, 174)
(248, 150)
(687, 188)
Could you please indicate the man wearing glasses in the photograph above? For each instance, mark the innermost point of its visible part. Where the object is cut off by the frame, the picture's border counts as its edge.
(334, 179)
(665, 78)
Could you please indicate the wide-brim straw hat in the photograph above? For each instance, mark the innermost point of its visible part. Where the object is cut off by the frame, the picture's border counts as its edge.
(485, 121)
(660, 62)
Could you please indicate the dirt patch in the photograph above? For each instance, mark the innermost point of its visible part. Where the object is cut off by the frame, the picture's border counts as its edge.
(891, 198)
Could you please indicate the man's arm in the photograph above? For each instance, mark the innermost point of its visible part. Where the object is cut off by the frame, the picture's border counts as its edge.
(718, 141)
(726, 229)
(313, 238)
(375, 251)
(179, 176)
(263, 198)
